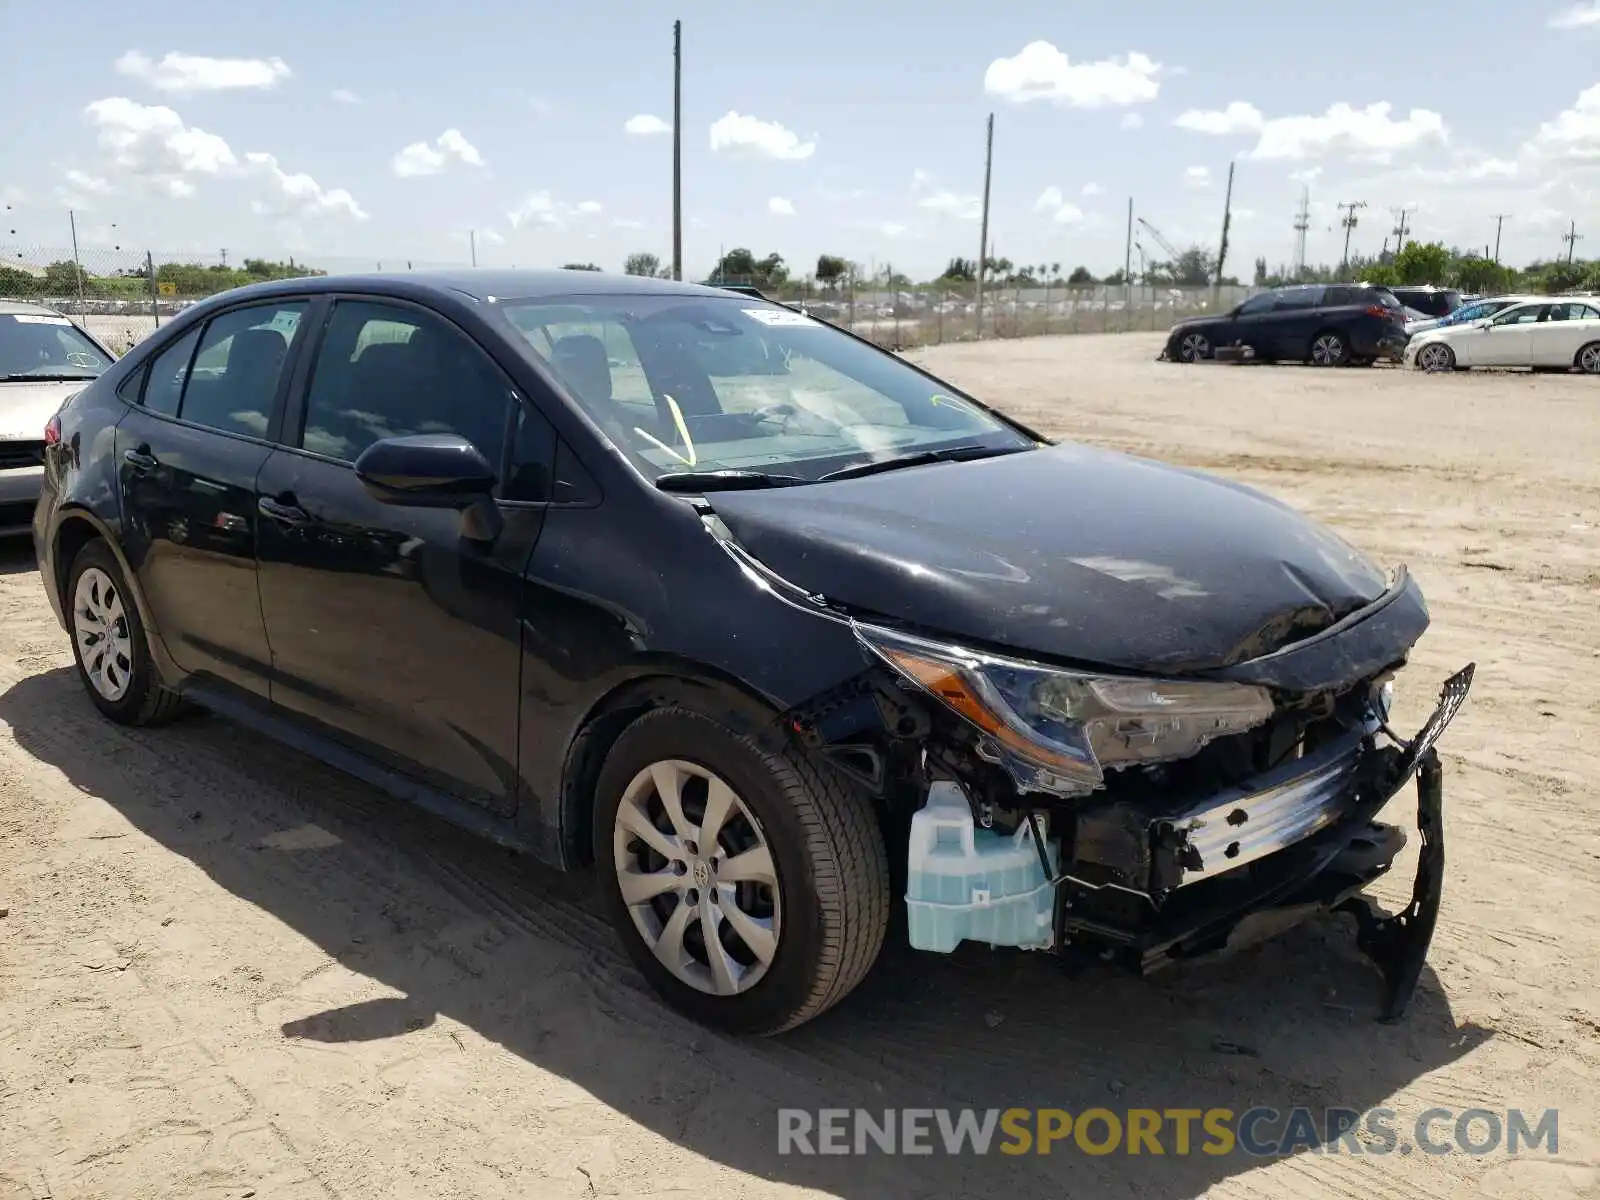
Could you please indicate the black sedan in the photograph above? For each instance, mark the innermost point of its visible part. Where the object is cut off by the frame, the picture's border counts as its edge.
(1329, 326)
(766, 624)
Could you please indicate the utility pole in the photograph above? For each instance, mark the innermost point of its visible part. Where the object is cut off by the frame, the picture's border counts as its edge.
(224, 253)
(1499, 220)
(472, 241)
(983, 233)
(1571, 237)
(1400, 223)
(1127, 258)
(1349, 222)
(677, 150)
(1302, 222)
(77, 267)
(1227, 217)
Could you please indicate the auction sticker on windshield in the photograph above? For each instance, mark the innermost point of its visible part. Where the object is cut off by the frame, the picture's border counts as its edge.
(778, 316)
(33, 319)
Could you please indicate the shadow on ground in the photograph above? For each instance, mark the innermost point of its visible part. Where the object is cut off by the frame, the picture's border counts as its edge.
(16, 556)
(520, 954)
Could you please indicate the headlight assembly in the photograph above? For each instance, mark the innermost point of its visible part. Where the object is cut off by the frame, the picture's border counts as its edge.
(1059, 731)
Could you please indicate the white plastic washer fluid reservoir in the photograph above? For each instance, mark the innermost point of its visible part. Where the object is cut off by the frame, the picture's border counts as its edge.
(965, 883)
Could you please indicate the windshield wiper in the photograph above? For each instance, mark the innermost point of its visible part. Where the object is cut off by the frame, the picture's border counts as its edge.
(917, 458)
(38, 378)
(724, 481)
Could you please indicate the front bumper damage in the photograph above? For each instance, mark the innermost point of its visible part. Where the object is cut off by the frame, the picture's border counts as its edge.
(1247, 867)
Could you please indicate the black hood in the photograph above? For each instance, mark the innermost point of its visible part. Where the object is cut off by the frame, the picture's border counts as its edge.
(1067, 552)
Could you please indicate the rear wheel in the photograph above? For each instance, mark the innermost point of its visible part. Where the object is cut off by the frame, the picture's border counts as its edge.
(109, 643)
(1588, 359)
(1328, 349)
(749, 885)
(1193, 347)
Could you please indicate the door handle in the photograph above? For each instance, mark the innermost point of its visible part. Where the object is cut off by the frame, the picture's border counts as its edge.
(288, 514)
(140, 459)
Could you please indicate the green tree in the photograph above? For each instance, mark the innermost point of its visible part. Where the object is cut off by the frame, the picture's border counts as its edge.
(831, 269)
(1422, 262)
(1261, 272)
(1081, 277)
(1380, 273)
(17, 283)
(739, 265)
(1116, 279)
(1474, 273)
(579, 267)
(642, 263)
(963, 270)
(65, 278)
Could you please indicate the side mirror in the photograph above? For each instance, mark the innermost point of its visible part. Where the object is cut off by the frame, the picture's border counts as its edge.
(427, 470)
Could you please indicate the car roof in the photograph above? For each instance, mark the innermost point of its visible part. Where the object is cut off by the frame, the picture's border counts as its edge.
(16, 308)
(486, 285)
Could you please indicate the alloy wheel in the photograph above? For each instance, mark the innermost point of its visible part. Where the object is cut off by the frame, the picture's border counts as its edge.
(1589, 359)
(100, 627)
(1194, 347)
(697, 877)
(1328, 350)
(1435, 358)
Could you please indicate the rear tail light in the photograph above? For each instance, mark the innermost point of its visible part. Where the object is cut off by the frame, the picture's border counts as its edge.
(52, 431)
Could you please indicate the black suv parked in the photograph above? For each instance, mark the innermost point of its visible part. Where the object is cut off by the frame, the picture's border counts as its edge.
(1433, 301)
(731, 604)
(1329, 325)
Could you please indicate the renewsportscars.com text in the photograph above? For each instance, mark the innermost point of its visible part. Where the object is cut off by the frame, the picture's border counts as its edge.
(1259, 1132)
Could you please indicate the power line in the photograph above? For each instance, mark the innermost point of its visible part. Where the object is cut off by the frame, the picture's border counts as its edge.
(1401, 216)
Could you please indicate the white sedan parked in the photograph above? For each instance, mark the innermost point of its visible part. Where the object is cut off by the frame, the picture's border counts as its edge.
(1549, 334)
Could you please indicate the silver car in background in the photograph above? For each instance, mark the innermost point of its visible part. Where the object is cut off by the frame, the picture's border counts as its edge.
(44, 358)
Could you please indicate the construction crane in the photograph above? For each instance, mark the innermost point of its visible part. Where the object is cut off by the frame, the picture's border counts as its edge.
(1173, 253)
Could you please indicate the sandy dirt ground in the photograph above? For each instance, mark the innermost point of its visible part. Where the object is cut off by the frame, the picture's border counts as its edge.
(226, 971)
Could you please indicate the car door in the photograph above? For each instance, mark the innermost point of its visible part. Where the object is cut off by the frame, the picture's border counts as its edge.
(1295, 317)
(1507, 341)
(1250, 324)
(1566, 329)
(391, 629)
(187, 455)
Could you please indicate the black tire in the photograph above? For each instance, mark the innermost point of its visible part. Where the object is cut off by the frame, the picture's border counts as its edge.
(1194, 347)
(1338, 349)
(832, 871)
(1430, 352)
(146, 701)
(1587, 359)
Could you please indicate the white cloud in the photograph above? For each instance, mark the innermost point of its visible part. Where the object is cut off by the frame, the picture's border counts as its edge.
(543, 209)
(1579, 16)
(196, 73)
(1198, 177)
(1042, 72)
(779, 207)
(626, 223)
(1369, 133)
(764, 139)
(646, 125)
(1575, 133)
(1067, 214)
(952, 204)
(1132, 121)
(85, 182)
(1093, 189)
(1238, 117)
(1049, 200)
(152, 143)
(420, 158)
(919, 177)
(344, 96)
(299, 194)
(1305, 174)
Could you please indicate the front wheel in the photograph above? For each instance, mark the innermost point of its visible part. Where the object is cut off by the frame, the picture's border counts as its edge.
(1436, 357)
(1329, 350)
(749, 885)
(109, 643)
(1193, 347)
(1588, 359)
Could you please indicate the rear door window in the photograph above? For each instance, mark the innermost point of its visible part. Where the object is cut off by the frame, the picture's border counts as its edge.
(233, 384)
(168, 373)
(1299, 299)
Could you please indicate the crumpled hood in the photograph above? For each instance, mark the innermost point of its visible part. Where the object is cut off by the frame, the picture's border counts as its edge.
(25, 408)
(1067, 552)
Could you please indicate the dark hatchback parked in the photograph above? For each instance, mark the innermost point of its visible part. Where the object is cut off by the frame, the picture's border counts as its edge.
(1328, 325)
(713, 596)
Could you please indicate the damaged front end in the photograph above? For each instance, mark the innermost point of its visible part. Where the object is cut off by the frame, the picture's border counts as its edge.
(1171, 819)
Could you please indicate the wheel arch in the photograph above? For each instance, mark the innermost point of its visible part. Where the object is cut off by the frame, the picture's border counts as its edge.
(75, 528)
(1577, 357)
(692, 685)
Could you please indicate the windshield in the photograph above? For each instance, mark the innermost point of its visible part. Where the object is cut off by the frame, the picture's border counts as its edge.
(695, 383)
(44, 346)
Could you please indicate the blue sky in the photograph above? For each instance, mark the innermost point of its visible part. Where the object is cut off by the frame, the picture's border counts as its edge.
(362, 133)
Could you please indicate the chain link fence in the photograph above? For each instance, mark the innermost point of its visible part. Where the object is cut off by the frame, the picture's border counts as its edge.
(121, 296)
